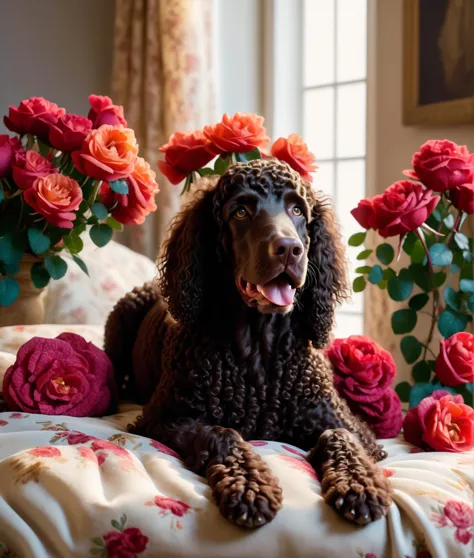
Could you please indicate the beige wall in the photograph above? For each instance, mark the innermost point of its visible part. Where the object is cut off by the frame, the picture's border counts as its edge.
(390, 144)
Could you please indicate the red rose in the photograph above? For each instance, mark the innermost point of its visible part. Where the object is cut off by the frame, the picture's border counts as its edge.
(103, 445)
(455, 362)
(384, 415)
(116, 547)
(237, 134)
(62, 376)
(45, 451)
(184, 153)
(176, 507)
(103, 111)
(402, 208)
(295, 152)
(463, 197)
(33, 116)
(74, 438)
(441, 165)
(55, 197)
(133, 539)
(364, 214)
(441, 422)
(362, 369)
(28, 166)
(163, 449)
(69, 132)
(8, 147)
(132, 208)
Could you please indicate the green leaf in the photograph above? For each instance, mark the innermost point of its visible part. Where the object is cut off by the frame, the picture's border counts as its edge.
(12, 269)
(39, 242)
(389, 273)
(43, 147)
(418, 254)
(99, 210)
(115, 524)
(73, 243)
(11, 249)
(467, 285)
(78, 229)
(409, 242)
(461, 240)
(92, 220)
(364, 254)
(248, 156)
(56, 266)
(470, 303)
(403, 321)
(9, 290)
(382, 284)
(39, 275)
(81, 263)
(114, 224)
(206, 171)
(453, 298)
(422, 371)
(418, 301)
(467, 256)
(439, 278)
(119, 186)
(449, 221)
(403, 391)
(411, 349)
(375, 275)
(358, 285)
(441, 255)
(98, 541)
(450, 322)
(221, 164)
(357, 239)
(101, 234)
(421, 390)
(421, 276)
(97, 551)
(400, 289)
(363, 269)
(385, 253)
(2, 196)
(83, 207)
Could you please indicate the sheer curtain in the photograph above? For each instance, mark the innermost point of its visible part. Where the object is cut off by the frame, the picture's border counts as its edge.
(164, 76)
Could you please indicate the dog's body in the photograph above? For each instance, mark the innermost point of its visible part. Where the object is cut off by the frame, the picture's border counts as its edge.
(227, 346)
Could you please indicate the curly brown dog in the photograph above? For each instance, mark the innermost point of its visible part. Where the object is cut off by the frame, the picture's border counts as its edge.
(226, 346)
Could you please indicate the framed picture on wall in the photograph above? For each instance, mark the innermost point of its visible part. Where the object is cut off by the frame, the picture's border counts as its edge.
(438, 40)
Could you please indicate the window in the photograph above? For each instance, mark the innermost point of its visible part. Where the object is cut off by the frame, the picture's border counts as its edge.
(333, 116)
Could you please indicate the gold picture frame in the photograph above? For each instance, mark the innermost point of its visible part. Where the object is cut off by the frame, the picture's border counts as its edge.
(459, 109)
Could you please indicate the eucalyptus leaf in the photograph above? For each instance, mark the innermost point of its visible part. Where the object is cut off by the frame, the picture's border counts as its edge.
(55, 266)
(441, 255)
(99, 210)
(9, 291)
(403, 391)
(385, 253)
(357, 239)
(404, 321)
(409, 242)
(418, 301)
(452, 298)
(421, 371)
(467, 285)
(39, 242)
(375, 274)
(119, 186)
(39, 275)
(418, 254)
(73, 243)
(399, 289)
(101, 234)
(461, 240)
(411, 349)
(81, 263)
(470, 303)
(451, 322)
(114, 224)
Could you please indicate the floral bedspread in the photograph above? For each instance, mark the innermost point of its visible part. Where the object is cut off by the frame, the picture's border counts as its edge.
(78, 487)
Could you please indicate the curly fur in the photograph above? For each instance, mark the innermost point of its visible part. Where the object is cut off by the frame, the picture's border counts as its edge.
(222, 373)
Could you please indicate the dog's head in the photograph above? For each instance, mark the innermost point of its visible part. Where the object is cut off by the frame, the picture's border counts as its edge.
(261, 236)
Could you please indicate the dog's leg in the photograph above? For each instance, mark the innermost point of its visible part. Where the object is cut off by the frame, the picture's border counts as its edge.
(243, 486)
(351, 481)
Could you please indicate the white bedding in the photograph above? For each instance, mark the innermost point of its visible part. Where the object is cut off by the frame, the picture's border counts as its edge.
(84, 487)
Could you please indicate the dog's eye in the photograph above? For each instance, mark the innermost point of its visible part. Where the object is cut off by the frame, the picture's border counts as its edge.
(297, 211)
(241, 213)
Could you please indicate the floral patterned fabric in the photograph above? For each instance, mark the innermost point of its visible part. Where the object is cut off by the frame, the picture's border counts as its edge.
(78, 487)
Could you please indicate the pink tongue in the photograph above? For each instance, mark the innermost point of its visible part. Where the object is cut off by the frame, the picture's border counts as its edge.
(278, 291)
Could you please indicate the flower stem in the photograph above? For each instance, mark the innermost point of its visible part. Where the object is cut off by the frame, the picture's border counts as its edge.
(454, 229)
(95, 191)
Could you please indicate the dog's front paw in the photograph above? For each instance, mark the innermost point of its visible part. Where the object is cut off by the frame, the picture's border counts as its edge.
(244, 488)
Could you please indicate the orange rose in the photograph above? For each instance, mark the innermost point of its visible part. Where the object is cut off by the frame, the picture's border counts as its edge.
(132, 208)
(55, 197)
(108, 153)
(237, 134)
(295, 152)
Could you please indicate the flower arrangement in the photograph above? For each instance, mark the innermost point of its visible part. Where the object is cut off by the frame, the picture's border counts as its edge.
(61, 174)
(427, 213)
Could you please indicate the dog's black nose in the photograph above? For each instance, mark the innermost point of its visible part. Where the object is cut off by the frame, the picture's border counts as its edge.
(287, 250)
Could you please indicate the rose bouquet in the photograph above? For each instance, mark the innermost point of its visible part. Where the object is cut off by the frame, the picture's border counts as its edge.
(427, 214)
(60, 175)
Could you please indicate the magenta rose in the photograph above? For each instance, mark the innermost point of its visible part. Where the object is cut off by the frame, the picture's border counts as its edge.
(441, 165)
(363, 371)
(384, 415)
(463, 198)
(33, 116)
(455, 363)
(62, 376)
(8, 147)
(28, 166)
(364, 214)
(69, 132)
(125, 544)
(103, 111)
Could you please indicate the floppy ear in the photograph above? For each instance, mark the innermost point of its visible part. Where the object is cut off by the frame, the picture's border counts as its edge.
(189, 266)
(326, 282)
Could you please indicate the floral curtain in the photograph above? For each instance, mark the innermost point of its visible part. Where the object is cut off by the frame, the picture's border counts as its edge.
(163, 75)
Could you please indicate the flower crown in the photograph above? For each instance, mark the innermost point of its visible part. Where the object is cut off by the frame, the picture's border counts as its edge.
(235, 139)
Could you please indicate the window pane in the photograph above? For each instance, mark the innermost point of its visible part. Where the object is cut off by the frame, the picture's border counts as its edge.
(324, 178)
(351, 120)
(350, 190)
(318, 121)
(319, 56)
(351, 39)
(347, 325)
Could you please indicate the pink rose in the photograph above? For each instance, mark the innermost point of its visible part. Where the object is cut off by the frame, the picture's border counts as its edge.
(463, 198)
(28, 166)
(69, 132)
(441, 165)
(464, 536)
(455, 362)
(460, 514)
(362, 369)
(33, 116)
(103, 445)
(176, 507)
(441, 422)
(384, 416)
(8, 147)
(45, 451)
(74, 438)
(163, 449)
(103, 111)
(62, 376)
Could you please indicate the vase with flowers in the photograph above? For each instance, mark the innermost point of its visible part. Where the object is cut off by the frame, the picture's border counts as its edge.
(63, 175)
